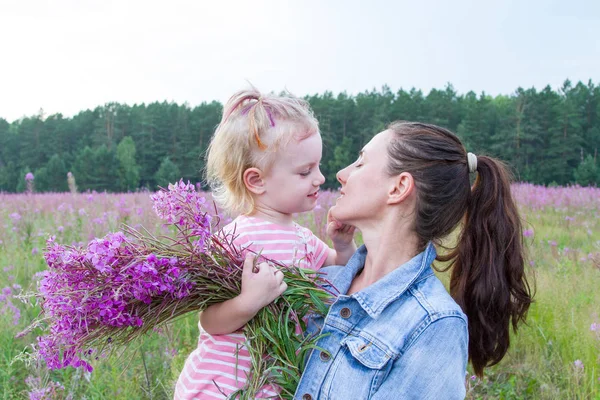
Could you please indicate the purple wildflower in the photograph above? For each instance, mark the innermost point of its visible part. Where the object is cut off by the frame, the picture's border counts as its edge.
(182, 206)
(53, 390)
(5, 297)
(76, 302)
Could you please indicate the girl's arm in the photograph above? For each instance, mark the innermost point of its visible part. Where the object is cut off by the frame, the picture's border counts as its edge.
(261, 284)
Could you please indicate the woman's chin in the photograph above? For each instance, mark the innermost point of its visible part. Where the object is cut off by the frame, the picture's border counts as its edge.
(334, 212)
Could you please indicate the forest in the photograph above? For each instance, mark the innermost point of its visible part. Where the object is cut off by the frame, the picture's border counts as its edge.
(548, 137)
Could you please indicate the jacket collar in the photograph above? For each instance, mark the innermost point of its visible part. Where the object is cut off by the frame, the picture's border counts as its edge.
(376, 297)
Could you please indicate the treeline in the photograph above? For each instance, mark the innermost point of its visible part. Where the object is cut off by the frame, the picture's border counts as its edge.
(547, 137)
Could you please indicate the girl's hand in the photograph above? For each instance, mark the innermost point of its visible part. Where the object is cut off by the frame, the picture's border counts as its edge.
(258, 289)
(341, 234)
(261, 283)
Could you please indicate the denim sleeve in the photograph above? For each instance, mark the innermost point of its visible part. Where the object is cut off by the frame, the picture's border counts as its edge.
(433, 367)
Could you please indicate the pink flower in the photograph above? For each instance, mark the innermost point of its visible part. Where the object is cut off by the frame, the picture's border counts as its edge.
(29, 176)
(528, 232)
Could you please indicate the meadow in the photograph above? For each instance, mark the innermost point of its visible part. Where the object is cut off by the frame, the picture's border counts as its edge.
(555, 356)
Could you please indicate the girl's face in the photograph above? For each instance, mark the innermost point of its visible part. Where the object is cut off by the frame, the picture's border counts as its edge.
(292, 182)
(365, 184)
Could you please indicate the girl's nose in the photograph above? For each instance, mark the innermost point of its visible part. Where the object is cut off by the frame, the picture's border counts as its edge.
(320, 179)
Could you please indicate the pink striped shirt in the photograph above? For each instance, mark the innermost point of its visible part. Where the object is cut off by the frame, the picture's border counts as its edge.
(215, 359)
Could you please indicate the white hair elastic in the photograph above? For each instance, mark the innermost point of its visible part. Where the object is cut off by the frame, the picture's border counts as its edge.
(472, 162)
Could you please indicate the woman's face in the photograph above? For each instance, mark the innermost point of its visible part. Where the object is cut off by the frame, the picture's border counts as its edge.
(365, 183)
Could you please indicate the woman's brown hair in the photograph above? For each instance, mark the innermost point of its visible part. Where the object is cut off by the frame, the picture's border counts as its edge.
(488, 278)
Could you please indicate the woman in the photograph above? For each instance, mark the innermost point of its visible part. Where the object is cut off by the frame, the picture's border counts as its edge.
(394, 332)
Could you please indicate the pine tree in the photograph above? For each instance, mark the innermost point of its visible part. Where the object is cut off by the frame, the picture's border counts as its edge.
(128, 171)
(167, 173)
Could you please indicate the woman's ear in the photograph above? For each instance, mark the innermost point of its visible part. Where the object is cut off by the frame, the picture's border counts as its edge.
(253, 179)
(403, 186)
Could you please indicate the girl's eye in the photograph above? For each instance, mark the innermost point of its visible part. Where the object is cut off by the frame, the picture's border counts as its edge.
(307, 173)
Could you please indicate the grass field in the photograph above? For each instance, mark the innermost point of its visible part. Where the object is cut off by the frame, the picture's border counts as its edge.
(555, 356)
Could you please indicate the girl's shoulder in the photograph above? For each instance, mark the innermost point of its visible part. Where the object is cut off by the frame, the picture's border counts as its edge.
(244, 229)
(305, 232)
(243, 223)
(232, 225)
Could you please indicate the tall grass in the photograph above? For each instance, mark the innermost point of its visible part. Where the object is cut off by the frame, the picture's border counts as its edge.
(555, 356)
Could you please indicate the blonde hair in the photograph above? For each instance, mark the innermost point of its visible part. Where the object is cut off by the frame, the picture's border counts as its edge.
(253, 128)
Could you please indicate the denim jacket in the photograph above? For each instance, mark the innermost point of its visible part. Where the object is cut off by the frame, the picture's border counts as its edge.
(402, 337)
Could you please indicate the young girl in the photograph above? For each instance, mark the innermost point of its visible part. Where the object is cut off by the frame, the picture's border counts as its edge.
(263, 165)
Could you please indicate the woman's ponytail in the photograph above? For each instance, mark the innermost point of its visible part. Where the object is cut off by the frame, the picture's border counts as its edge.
(488, 277)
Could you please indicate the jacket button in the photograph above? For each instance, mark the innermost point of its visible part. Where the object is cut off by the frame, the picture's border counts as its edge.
(345, 312)
(306, 396)
(324, 356)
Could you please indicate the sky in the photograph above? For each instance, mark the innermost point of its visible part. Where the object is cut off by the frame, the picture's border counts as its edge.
(65, 56)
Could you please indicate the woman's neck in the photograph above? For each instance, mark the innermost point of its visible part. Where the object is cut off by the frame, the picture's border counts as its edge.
(388, 248)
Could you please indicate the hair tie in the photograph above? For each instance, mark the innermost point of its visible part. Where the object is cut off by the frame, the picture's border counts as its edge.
(472, 162)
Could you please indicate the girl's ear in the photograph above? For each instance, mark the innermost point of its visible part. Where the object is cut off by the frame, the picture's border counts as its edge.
(403, 186)
(253, 179)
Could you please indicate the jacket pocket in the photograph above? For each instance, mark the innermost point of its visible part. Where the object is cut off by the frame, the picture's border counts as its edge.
(366, 353)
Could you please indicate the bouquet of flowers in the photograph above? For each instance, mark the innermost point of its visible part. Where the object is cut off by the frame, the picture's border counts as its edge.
(112, 291)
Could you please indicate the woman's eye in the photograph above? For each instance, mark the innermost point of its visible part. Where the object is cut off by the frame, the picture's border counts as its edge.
(358, 162)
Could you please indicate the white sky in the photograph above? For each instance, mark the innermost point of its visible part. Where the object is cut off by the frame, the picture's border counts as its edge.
(69, 55)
